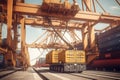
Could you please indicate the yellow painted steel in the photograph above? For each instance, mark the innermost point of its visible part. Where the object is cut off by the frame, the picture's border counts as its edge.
(51, 1)
(72, 56)
(67, 5)
(52, 56)
(65, 56)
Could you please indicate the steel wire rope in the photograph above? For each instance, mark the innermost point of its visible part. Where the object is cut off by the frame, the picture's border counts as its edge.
(100, 6)
(49, 22)
(118, 2)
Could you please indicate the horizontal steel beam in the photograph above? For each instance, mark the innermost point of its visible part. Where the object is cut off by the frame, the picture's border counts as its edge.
(81, 15)
(2, 50)
(50, 46)
(55, 24)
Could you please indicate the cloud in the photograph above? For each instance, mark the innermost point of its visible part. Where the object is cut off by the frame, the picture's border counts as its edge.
(115, 7)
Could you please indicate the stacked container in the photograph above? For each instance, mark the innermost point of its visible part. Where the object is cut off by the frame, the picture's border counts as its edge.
(66, 60)
(109, 47)
(71, 56)
(52, 57)
(109, 41)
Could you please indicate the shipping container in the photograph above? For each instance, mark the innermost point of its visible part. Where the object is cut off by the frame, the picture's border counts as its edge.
(52, 56)
(71, 56)
(109, 41)
(109, 49)
(66, 60)
(113, 45)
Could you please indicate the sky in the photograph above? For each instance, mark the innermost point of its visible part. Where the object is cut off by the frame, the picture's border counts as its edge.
(33, 33)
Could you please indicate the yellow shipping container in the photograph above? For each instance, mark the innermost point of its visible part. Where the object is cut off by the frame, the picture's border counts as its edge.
(52, 57)
(47, 58)
(80, 57)
(71, 56)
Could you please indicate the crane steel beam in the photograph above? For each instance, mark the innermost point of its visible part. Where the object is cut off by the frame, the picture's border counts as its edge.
(2, 50)
(81, 15)
(85, 37)
(30, 9)
(91, 36)
(9, 21)
(50, 46)
(55, 24)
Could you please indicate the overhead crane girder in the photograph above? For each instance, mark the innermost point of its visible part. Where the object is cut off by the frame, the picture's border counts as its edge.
(29, 9)
(56, 24)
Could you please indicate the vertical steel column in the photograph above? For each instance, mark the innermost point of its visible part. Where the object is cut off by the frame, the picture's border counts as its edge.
(24, 51)
(91, 33)
(27, 56)
(84, 37)
(15, 33)
(9, 56)
(9, 21)
(15, 39)
(23, 33)
(0, 32)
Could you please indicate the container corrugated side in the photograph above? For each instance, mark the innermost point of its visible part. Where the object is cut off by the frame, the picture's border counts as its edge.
(52, 57)
(72, 56)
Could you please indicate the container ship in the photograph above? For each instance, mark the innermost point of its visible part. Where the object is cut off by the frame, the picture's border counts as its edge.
(109, 50)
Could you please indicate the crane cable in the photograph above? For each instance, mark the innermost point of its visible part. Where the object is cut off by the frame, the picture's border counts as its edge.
(118, 2)
(100, 6)
(49, 22)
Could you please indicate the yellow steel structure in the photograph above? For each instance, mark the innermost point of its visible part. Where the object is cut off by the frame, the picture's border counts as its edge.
(72, 56)
(52, 56)
(15, 12)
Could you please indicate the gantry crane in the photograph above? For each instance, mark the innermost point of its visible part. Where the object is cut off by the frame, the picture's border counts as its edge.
(16, 12)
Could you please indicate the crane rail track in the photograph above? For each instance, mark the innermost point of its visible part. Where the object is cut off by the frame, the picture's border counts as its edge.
(41, 75)
(6, 73)
(105, 73)
(88, 75)
(104, 76)
(83, 76)
(9, 71)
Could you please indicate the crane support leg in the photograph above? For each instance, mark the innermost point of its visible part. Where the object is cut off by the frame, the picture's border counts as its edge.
(24, 51)
(92, 45)
(0, 32)
(15, 39)
(9, 57)
(91, 33)
(84, 37)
